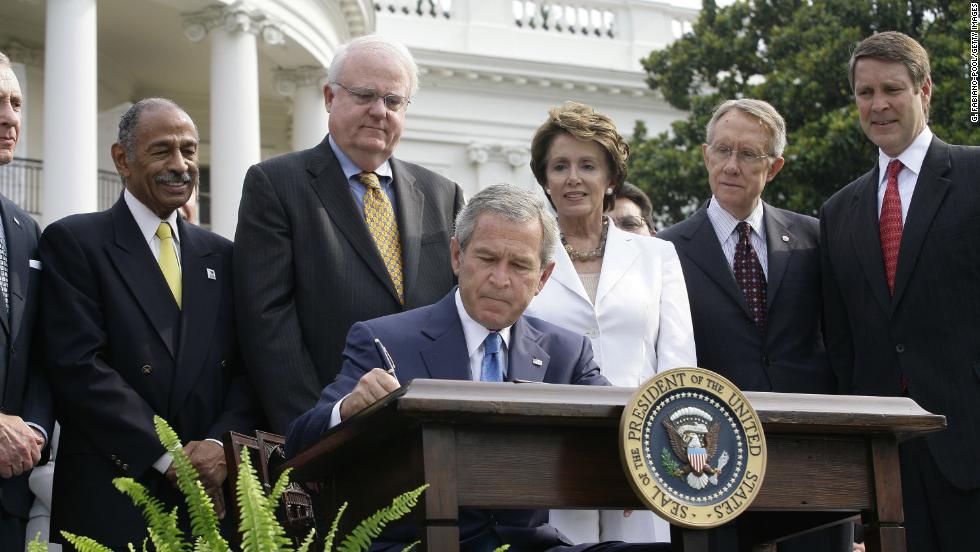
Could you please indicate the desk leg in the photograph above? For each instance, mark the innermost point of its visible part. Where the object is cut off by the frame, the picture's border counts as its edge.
(688, 540)
(885, 532)
(439, 538)
(440, 501)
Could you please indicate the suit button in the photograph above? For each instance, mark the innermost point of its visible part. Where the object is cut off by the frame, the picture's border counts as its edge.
(900, 348)
(125, 467)
(765, 360)
(146, 369)
(224, 363)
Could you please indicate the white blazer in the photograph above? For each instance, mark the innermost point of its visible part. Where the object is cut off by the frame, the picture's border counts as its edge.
(641, 321)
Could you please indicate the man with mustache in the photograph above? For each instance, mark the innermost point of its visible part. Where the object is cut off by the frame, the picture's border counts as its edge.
(338, 233)
(901, 277)
(140, 322)
(25, 405)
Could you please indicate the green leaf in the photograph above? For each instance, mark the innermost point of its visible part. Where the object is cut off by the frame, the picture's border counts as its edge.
(161, 525)
(84, 544)
(328, 541)
(260, 530)
(361, 537)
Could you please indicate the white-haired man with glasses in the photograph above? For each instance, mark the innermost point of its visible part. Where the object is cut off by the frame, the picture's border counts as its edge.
(753, 275)
(339, 233)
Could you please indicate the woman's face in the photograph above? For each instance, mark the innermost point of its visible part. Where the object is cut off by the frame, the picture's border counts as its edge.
(577, 176)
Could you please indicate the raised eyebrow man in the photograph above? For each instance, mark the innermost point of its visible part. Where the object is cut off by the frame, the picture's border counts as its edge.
(26, 414)
(339, 233)
(902, 286)
(138, 320)
(753, 275)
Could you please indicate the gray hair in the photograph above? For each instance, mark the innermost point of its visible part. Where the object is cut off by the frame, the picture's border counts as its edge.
(385, 46)
(773, 122)
(514, 204)
(131, 119)
(4, 60)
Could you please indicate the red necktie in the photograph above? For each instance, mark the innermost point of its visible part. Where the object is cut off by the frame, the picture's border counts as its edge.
(750, 277)
(890, 224)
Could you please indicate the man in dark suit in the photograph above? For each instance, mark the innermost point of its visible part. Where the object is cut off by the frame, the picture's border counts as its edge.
(339, 233)
(26, 416)
(139, 321)
(902, 286)
(502, 253)
(753, 273)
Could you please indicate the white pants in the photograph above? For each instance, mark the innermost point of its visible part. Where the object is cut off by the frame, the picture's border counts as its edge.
(584, 526)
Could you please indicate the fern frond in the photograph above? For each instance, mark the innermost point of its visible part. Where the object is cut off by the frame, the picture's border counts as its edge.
(204, 522)
(328, 541)
(410, 546)
(260, 530)
(360, 538)
(161, 525)
(36, 545)
(279, 488)
(503, 548)
(84, 544)
(307, 542)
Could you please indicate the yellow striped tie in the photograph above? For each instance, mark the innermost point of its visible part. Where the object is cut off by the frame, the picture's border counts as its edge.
(168, 260)
(380, 218)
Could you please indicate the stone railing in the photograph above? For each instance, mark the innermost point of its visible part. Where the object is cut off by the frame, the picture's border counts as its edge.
(422, 8)
(575, 18)
(21, 181)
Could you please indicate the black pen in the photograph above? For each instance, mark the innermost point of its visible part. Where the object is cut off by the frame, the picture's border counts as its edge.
(385, 357)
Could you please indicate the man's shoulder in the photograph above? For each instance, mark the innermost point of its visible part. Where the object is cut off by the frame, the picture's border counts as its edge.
(208, 238)
(686, 226)
(552, 333)
(806, 221)
(844, 195)
(421, 173)
(20, 216)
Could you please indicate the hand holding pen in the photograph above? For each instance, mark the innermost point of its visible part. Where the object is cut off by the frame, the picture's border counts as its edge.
(373, 386)
(386, 359)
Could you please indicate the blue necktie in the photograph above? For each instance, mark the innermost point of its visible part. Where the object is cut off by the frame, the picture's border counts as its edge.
(491, 369)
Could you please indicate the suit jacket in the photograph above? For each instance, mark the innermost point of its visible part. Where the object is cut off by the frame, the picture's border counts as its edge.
(428, 342)
(790, 357)
(119, 351)
(23, 390)
(929, 331)
(640, 323)
(310, 269)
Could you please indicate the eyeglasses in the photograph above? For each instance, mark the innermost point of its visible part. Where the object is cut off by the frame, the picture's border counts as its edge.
(630, 223)
(745, 158)
(367, 96)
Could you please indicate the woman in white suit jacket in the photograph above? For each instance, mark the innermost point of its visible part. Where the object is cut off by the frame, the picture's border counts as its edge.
(625, 292)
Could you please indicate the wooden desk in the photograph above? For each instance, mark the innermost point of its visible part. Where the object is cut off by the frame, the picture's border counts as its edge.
(505, 445)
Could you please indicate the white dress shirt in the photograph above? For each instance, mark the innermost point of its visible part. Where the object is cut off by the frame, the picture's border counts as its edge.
(724, 224)
(912, 159)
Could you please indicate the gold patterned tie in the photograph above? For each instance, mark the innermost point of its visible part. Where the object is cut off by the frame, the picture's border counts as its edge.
(168, 260)
(380, 218)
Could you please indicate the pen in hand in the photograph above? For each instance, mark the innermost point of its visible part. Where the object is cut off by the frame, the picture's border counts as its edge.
(385, 357)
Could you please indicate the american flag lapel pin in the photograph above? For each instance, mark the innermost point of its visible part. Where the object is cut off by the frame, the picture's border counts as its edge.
(211, 275)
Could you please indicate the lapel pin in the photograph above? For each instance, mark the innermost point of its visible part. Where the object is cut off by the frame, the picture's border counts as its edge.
(785, 238)
(536, 361)
(17, 222)
(211, 274)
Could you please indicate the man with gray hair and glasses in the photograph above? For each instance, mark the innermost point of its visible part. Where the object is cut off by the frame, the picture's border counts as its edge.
(753, 275)
(502, 253)
(339, 233)
(25, 404)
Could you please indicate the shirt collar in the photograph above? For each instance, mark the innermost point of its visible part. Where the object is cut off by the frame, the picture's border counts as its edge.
(350, 169)
(724, 222)
(912, 158)
(473, 331)
(147, 220)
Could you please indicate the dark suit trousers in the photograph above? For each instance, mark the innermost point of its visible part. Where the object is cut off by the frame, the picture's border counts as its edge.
(12, 532)
(938, 516)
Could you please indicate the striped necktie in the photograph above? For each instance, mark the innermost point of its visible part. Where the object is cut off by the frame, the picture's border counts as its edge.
(380, 219)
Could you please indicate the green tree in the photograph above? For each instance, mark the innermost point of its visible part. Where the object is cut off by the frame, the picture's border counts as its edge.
(793, 54)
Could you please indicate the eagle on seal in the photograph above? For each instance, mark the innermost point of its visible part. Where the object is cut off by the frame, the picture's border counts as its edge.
(694, 439)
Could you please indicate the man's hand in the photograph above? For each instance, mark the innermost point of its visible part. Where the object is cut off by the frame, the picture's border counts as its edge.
(208, 458)
(371, 388)
(20, 446)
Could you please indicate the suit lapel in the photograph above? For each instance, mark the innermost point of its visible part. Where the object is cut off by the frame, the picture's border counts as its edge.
(621, 253)
(566, 275)
(705, 251)
(410, 202)
(446, 357)
(140, 272)
(16, 273)
(864, 213)
(930, 189)
(526, 361)
(199, 309)
(779, 250)
(333, 190)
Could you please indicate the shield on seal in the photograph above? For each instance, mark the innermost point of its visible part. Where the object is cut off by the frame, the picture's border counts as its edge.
(697, 457)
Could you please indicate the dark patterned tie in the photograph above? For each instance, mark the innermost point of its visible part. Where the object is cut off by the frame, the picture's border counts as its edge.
(749, 275)
(3, 272)
(890, 224)
(380, 219)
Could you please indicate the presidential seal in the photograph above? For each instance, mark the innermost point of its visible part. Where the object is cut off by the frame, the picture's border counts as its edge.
(692, 447)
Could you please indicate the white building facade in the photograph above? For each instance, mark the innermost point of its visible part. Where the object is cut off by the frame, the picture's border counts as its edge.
(250, 74)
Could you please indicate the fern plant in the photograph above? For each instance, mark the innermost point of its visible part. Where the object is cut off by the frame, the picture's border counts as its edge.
(261, 531)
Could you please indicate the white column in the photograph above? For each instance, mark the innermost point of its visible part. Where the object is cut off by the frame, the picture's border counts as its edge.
(70, 109)
(305, 86)
(235, 131)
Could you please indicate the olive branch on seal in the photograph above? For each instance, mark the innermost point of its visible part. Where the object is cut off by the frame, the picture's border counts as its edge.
(669, 464)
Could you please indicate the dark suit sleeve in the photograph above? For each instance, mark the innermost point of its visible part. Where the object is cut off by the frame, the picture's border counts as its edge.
(38, 407)
(586, 370)
(114, 418)
(360, 357)
(265, 301)
(836, 325)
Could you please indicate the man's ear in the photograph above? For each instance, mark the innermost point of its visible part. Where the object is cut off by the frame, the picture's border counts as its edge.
(455, 255)
(120, 160)
(328, 96)
(777, 166)
(545, 274)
